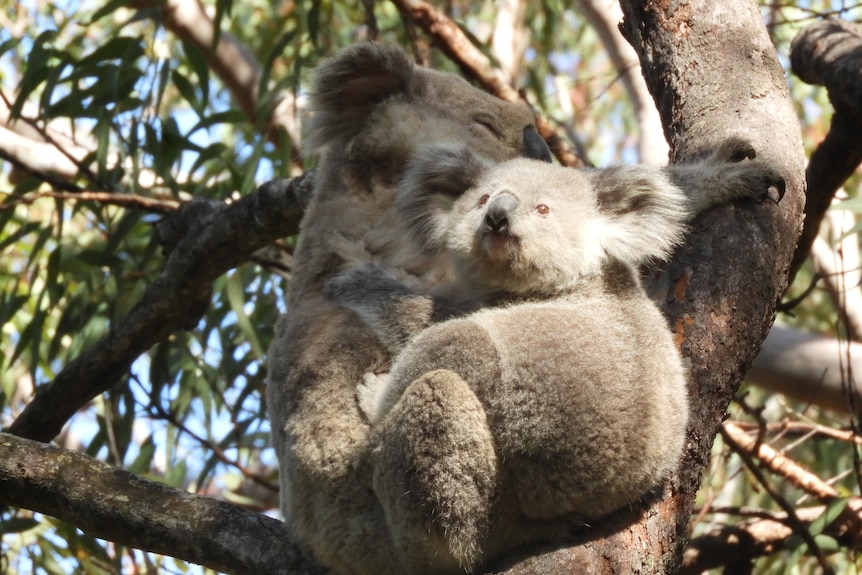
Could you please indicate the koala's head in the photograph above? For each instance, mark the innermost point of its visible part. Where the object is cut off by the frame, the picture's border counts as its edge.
(530, 227)
(375, 106)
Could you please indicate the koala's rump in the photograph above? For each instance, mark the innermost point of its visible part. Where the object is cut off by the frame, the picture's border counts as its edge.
(587, 405)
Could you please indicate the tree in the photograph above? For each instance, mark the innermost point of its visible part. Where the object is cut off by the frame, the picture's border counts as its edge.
(150, 338)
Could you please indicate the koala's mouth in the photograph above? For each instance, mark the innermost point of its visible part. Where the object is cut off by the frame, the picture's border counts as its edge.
(499, 246)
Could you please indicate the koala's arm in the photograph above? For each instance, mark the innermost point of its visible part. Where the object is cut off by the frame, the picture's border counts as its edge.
(645, 209)
(729, 173)
(394, 312)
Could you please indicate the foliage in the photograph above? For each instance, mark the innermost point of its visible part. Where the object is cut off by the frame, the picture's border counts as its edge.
(145, 122)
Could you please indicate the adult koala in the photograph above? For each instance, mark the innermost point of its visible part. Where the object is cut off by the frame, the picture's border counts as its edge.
(371, 109)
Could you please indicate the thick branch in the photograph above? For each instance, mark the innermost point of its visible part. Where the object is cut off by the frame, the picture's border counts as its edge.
(119, 506)
(209, 239)
(830, 53)
(811, 368)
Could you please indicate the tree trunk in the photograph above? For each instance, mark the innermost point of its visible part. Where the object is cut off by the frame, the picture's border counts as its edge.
(714, 73)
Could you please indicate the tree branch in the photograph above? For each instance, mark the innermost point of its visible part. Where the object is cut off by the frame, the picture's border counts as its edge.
(829, 53)
(207, 239)
(114, 504)
(232, 62)
(455, 44)
(604, 16)
(810, 368)
(735, 545)
(106, 198)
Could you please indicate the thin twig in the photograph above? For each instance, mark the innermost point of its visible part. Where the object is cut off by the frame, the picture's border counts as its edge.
(748, 449)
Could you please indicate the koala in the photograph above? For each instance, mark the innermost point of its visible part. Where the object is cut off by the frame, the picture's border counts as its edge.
(371, 110)
(562, 397)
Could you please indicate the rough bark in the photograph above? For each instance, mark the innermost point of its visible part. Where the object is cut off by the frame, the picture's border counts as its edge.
(206, 239)
(119, 506)
(713, 71)
(829, 53)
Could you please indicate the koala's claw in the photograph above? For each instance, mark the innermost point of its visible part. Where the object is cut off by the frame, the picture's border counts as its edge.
(780, 187)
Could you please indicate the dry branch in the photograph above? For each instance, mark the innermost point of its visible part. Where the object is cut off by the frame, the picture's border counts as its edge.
(735, 546)
(829, 53)
(455, 44)
(114, 504)
(604, 16)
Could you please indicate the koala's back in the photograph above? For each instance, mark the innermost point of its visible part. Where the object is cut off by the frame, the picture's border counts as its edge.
(586, 397)
(592, 399)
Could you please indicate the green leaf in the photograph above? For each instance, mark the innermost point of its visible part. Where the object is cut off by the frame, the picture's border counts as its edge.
(35, 70)
(109, 7)
(313, 22)
(231, 116)
(830, 514)
(211, 152)
(851, 205)
(175, 476)
(9, 44)
(164, 72)
(187, 91)
(236, 297)
(201, 69)
(17, 235)
(117, 48)
(143, 462)
(827, 543)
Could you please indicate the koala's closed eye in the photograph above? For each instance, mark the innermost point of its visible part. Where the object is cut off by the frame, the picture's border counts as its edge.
(489, 123)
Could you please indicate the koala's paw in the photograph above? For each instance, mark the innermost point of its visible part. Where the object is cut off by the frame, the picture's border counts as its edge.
(764, 181)
(370, 395)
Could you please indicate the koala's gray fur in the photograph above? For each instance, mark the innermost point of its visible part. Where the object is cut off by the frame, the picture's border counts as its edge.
(372, 114)
(565, 399)
(371, 110)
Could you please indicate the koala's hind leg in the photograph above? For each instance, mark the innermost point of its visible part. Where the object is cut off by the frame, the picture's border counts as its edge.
(435, 473)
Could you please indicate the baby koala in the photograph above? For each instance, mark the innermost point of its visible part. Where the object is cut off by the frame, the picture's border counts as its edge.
(555, 391)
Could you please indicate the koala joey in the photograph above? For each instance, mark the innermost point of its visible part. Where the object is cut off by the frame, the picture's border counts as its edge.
(562, 397)
(371, 110)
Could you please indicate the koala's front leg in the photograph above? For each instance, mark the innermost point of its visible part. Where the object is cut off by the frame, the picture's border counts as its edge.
(731, 172)
(394, 312)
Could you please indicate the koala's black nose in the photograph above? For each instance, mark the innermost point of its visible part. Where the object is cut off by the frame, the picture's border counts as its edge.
(534, 146)
(498, 212)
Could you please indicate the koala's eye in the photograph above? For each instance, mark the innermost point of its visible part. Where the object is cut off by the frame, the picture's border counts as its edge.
(483, 200)
(542, 209)
(488, 123)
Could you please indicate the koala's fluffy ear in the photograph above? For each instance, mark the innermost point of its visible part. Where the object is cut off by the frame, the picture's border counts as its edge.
(348, 86)
(435, 178)
(642, 213)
